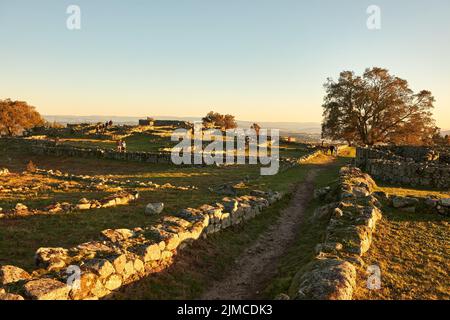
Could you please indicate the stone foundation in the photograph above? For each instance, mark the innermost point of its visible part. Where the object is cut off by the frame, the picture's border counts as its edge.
(122, 256)
(412, 166)
(122, 198)
(352, 220)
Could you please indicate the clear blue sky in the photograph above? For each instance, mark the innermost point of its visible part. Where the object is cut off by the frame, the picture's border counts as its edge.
(258, 59)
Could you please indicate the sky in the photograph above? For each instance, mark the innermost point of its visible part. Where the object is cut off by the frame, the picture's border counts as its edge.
(259, 60)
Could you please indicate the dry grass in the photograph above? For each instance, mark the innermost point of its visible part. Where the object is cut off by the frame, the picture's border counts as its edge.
(412, 251)
(414, 192)
(347, 152)
(321, 159)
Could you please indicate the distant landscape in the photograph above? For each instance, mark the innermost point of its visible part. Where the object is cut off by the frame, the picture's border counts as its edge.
(302, 130)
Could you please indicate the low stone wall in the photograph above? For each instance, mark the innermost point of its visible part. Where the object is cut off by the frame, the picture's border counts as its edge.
(122, 198)
(352, 220)
(71, 151)
(45, 147)
(404, 153)
(102, 180)
(123, 255)
(410, 173)
(395, 169)
(413, 204)
(286, 163)
(173, 123)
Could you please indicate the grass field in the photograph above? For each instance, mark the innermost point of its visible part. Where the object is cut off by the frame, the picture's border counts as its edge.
(20, 237)
(413, 253)
(412, 250)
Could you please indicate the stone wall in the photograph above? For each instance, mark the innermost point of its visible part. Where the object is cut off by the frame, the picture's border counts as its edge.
(414, 204)
(412, 166)
(352, 219)
(122, 256)
(121, 198)
(173, 123)
(45, 147)
(99, 182)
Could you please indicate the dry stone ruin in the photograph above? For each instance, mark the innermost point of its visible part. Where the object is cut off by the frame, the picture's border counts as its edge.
(353, 214)
(407, 165)
(122, 256)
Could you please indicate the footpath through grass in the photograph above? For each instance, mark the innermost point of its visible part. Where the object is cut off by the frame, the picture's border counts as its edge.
(210, 259)
(309, 235)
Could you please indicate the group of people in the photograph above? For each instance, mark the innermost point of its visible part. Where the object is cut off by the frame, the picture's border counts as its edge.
(331, 149)
(103, 126)
(121, 146)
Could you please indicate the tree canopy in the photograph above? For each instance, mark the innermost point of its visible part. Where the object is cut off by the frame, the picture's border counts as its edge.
(220, 121)
(17, 116)
(377, 107)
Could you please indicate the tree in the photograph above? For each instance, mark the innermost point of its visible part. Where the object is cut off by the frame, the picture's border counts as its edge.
(17, 116)
(220, 121)
(256, 127)
(375, 108)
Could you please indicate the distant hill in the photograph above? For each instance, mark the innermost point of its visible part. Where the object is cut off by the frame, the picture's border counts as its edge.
(446, 132)
(294, 128)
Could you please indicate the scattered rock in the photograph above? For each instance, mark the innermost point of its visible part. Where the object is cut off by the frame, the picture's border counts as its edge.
(322, 192)
(21, 207)
(154, 208)
(282, 296)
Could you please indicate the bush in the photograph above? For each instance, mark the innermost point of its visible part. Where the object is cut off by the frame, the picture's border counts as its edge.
(31, 167)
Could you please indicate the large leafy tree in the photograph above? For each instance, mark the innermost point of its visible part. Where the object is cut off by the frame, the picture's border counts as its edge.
(217, 120)
(377, 107)
(16, 116)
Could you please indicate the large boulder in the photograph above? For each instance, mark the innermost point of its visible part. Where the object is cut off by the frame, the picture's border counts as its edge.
(324, 279)
(117, 235)
(402, 202)
(230, 205)
(149, 252)
(86, 283)
(154, 208)
(52, 258)
(11, 274)
(102, 267)
(21, 207)
(9, 296)
(47, 289)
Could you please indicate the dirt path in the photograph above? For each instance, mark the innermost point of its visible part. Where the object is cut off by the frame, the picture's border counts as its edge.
(258, 264)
